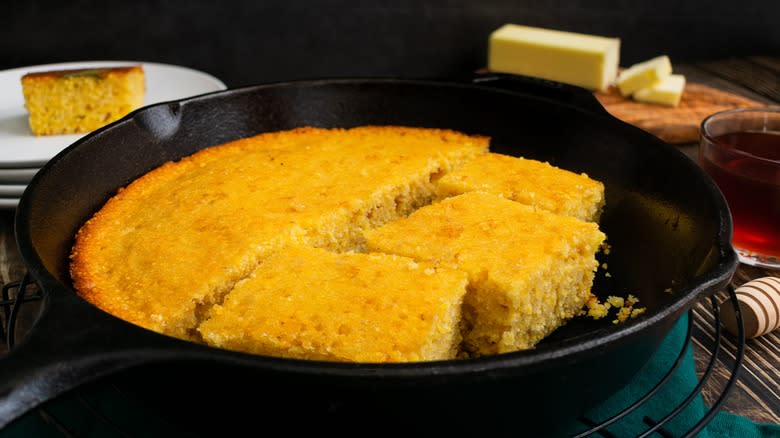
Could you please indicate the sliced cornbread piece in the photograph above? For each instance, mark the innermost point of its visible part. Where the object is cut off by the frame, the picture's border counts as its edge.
(529, 182)
(81, 100)
(308, 303)
(173, 242)
(529, 270)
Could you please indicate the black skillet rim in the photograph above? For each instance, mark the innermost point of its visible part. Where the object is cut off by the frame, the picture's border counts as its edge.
(717, 276)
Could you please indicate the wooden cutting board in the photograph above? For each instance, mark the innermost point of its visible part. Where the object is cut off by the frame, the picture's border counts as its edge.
(674, 125)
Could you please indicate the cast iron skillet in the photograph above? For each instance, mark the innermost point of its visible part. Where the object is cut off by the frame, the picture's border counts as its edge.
(668, 226)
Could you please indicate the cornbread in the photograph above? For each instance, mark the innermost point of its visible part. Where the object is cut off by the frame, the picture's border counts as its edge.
(175, 241)
(308, 303)
(529, 270)
(625, 308)
(81, 100)
(529, 182)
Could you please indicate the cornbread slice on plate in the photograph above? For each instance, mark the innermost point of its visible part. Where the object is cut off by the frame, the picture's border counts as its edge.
(530, 182)
(308, 303)
(529, 270)
(81, 100)
(176, 240)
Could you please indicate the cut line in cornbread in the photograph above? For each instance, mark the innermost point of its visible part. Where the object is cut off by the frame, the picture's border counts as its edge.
(176, 240)
(308, 303)
(529, 182)
(81, 100)
(529, 270)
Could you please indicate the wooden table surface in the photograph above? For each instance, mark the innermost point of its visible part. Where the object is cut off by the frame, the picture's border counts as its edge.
(757, 391)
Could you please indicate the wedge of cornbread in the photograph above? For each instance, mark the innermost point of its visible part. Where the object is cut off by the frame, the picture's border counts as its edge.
(529, 270)
(308, 303)
(530, 182)
(176, 240)
(81, 100)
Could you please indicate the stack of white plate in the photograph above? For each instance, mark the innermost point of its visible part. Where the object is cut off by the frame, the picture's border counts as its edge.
(22, 154)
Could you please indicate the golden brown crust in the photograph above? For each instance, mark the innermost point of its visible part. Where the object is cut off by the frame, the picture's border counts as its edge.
(273, 311)
(182, 249)
(529, 182)
(102, 72)
(529, 270)
(174, 241)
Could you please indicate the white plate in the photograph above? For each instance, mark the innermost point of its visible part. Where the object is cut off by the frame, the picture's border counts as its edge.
(17, 175)
(12, 190)
(20, 148)
(8, 203)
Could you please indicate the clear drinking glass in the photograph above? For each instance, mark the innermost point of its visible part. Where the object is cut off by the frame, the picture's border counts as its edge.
(740, 150)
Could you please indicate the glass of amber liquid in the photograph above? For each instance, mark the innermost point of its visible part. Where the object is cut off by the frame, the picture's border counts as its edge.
(740, 150)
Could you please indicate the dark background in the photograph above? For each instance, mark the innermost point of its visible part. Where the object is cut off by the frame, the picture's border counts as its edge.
(246, 42)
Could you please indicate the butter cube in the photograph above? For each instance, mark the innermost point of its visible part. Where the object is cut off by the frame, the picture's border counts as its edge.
(667, 92)
(587, 61)
(644, 74)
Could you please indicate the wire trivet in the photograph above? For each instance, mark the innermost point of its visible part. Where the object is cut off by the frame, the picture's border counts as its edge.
(21, 293)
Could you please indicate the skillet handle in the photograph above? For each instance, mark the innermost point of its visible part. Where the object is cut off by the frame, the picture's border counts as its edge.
(71, 343)
(559, 92)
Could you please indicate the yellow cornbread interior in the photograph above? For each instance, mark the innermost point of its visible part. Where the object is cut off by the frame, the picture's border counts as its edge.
(529, 182)
(176, 240)
(78, 101)
(529, 270)
(309, 303)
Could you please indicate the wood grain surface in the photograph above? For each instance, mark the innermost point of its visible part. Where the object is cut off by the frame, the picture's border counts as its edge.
(756, 394)
(678, 124)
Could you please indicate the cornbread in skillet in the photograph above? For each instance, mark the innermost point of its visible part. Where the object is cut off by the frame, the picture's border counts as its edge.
(529, 270)
(176, 240)
(529, 182)
(81, 100)
(309, 303)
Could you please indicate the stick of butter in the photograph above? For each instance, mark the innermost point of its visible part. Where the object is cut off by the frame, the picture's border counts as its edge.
(644, 74)
(577, 59)
(666, 92)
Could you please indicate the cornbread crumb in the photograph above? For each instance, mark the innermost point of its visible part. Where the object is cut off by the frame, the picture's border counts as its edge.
(367, 308)
(615, 301)
(625, 308)
(623, 314)
(596, 309)
(81, 100)
(530, 182)
(529, 270)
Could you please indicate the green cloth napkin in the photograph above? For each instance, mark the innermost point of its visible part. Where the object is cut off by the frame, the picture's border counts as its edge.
(671, 395)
